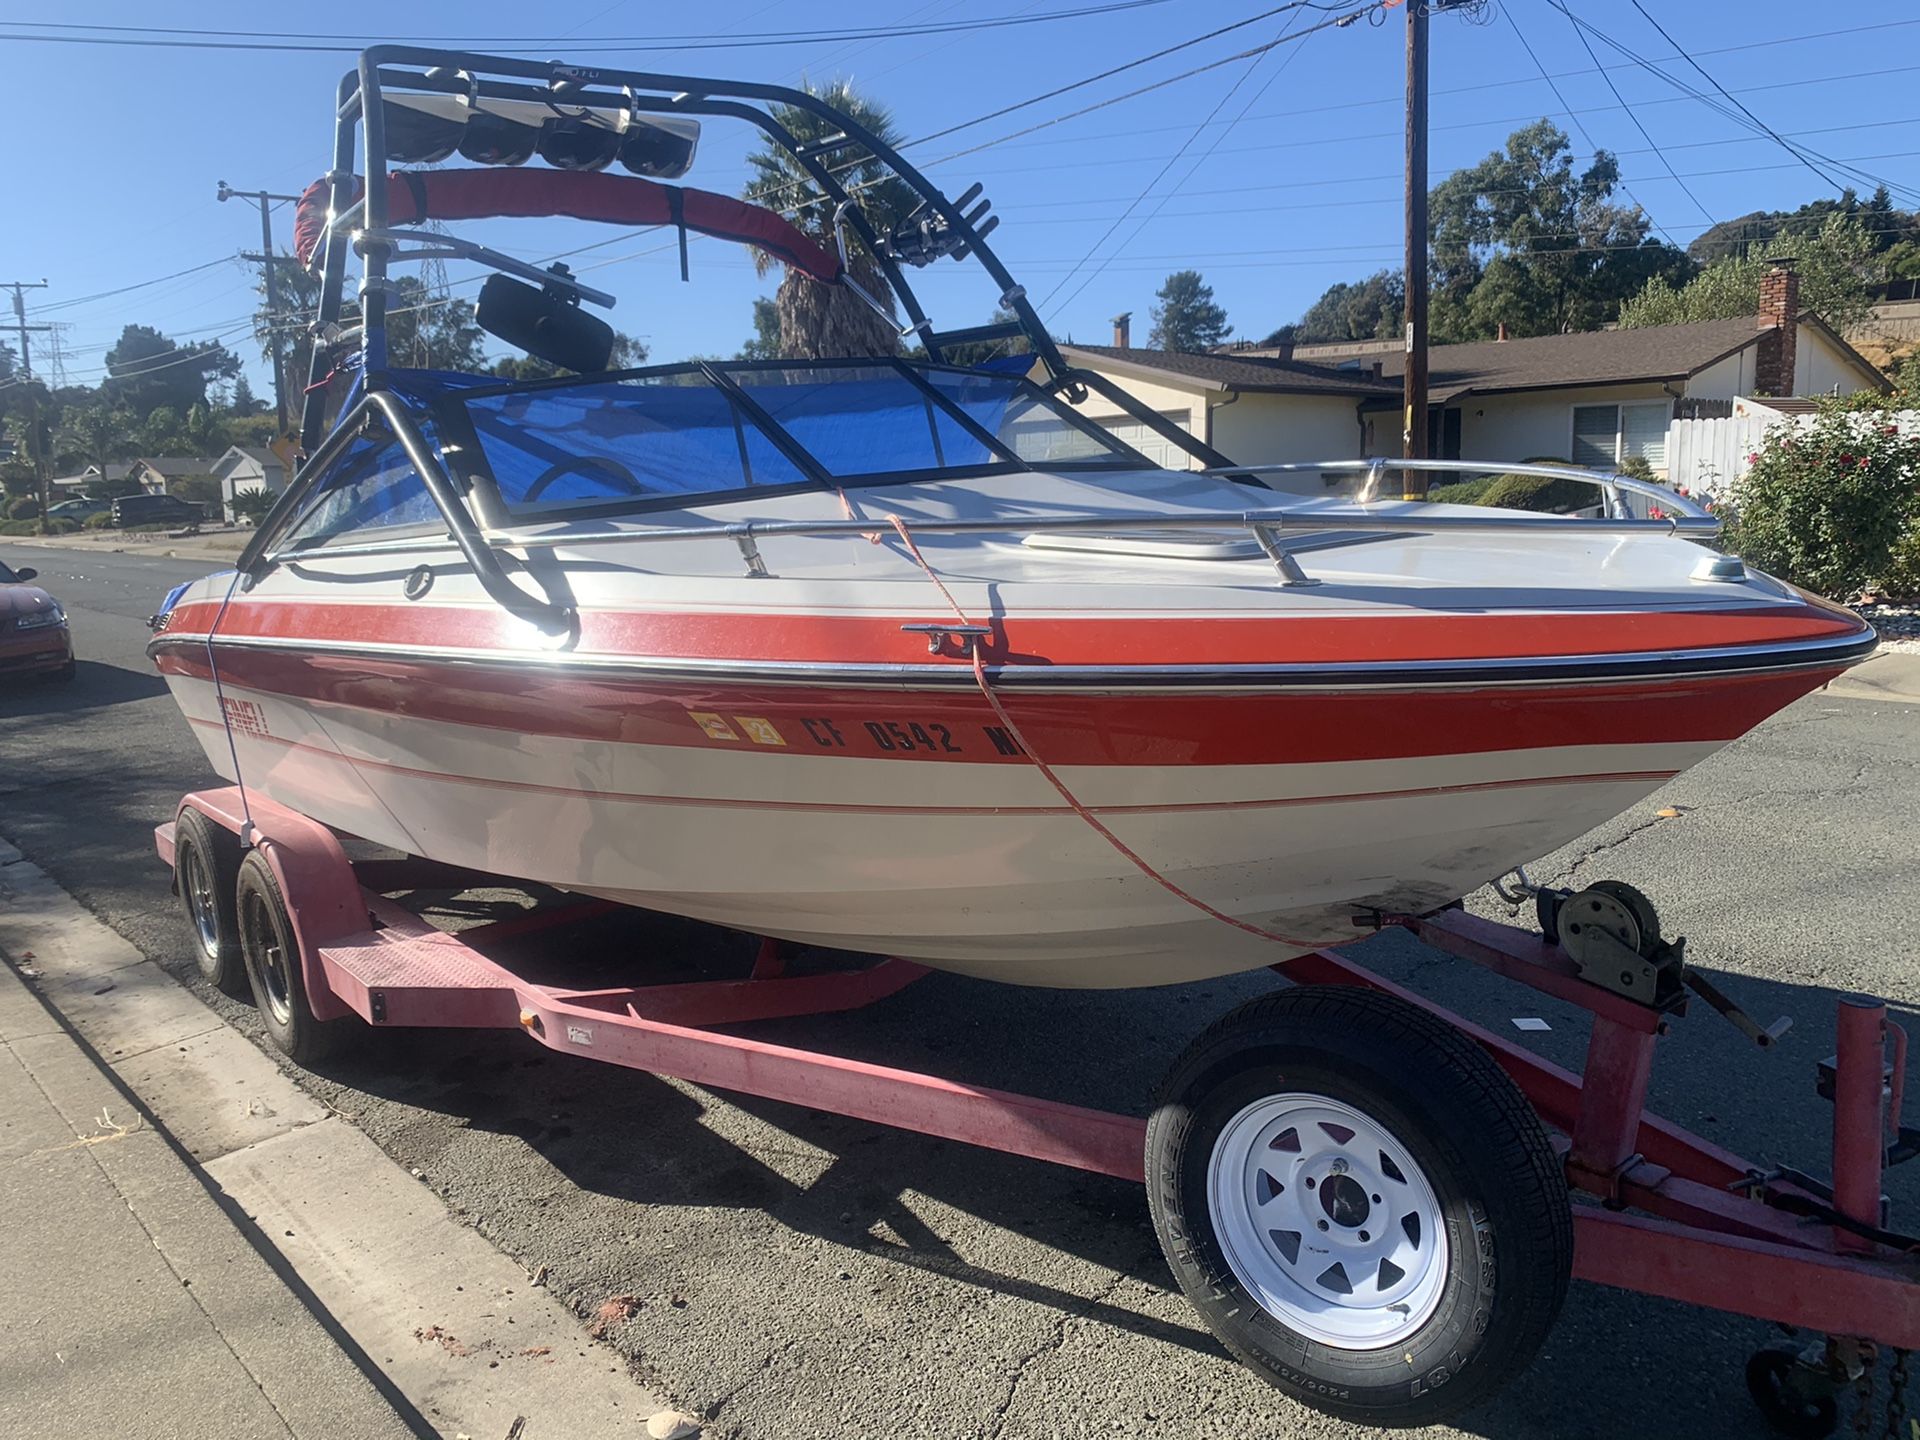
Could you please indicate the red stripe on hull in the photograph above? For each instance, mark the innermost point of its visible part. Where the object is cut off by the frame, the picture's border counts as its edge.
(716, 802)
(1040, 639)
(1184, 728)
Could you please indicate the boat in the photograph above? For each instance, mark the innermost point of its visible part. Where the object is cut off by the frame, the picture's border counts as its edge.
(909, 656)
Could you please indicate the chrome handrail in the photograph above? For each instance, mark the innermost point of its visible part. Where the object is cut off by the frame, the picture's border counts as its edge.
(1611, 484)
(480, 543)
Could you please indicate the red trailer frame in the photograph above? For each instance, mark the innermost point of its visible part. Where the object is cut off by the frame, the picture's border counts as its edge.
(1711, 1228)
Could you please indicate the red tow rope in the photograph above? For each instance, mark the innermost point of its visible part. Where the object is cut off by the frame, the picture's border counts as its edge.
(1059, 785)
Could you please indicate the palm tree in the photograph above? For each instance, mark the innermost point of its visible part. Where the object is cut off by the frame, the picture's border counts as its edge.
(830, 321)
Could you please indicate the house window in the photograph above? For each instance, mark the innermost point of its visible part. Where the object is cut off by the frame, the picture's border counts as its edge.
(1605, 436)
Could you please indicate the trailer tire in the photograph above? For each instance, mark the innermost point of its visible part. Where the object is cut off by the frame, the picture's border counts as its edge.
(274, 969)
(206, 870)
(1332, 1107)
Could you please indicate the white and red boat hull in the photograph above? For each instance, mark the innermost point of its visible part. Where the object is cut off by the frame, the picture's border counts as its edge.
(758, 790)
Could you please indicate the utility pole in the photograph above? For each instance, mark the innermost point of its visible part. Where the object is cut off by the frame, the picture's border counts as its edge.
(270, 264)
(34, 449)
(1413, 437)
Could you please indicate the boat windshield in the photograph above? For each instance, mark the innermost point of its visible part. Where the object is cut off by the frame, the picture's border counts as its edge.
(655, 438)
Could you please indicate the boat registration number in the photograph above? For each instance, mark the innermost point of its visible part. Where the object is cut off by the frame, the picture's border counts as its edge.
(903, 736)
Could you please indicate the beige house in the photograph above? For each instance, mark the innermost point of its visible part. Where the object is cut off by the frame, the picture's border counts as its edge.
(1263, 409)
(248, 467)
(1598, 398)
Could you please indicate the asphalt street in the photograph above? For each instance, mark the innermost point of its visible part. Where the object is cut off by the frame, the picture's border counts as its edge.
(801, 1274)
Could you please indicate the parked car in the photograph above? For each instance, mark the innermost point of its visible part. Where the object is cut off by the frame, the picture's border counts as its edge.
(155, 510)
(34, 639)
(78, 510)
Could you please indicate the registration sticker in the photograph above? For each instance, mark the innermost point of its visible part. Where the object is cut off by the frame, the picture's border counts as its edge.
(761, 732)
(579, 1035)
(715, 725)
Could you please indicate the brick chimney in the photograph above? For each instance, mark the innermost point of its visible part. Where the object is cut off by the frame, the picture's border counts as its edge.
(1777, 322)
(1282, 350)
(1123, 330)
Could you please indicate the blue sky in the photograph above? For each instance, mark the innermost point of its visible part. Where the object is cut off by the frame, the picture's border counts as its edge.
(1295, 183)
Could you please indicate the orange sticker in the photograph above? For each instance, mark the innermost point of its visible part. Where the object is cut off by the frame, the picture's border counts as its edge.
(715, 725)
(761, 732)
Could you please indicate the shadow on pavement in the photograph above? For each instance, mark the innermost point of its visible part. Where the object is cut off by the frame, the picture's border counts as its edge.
(652, 1148)
(93, 687)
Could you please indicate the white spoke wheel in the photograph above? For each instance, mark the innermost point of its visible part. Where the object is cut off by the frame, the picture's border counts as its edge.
(274, 968)
(1360, 1204)
(1328, 1221)
(206, 867)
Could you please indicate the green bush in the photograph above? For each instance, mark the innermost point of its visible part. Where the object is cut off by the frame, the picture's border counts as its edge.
(1461, 492)
(252, 504)
(1519, 492)
(1902, 580)
(19, 527)
(59, 525)
(25, 508)
(103, 520)
(1834, 506)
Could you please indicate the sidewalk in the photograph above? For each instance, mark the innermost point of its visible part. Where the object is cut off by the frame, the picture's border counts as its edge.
(221, 546)
(130, 1305)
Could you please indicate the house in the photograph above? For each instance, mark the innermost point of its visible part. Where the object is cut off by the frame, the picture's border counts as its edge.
(1266, 410)
(247, 467)
(162, 476)
(1598, 398)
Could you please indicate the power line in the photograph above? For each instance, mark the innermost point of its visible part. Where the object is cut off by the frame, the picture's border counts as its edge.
(1721, 108)
(1574, 116)
(175, 37)
(1724, 91)
(137, 285)
(1620, 99)
(1171, 190)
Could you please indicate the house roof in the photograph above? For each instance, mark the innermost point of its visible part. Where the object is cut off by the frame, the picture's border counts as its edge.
(1595, 357)
(1232, 372)
(173, 466)
(259, 454)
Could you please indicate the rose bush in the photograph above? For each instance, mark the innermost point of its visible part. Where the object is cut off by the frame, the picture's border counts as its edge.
(1832, 505)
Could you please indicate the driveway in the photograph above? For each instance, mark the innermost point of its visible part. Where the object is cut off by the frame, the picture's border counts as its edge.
(802, 1274)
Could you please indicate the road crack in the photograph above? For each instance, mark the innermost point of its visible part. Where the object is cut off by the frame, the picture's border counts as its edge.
(1056, 1339)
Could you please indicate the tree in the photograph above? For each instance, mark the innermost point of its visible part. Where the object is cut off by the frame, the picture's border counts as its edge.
(627, 354)
(1523, 240)
(242, 401)
(1370, 309)
(432, 332)
(980, 351)
(830, 321)
(1185, 317)
(1838, 269)
(147, 370)
(97, 434)
(765, 344)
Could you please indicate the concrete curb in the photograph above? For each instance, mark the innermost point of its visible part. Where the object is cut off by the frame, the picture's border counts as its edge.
(456, 1326)
(161, 550)
(1891, 675)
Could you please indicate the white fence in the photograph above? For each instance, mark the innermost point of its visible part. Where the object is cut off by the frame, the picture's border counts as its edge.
(1711, 455)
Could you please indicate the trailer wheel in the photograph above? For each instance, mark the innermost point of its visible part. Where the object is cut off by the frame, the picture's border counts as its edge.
(206, 870)
(273, 967)
(1360, 1204)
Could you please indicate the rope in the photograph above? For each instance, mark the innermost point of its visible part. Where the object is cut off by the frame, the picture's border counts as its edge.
(1047, 773)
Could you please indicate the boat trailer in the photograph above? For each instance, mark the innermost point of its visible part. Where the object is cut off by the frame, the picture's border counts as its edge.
(1657, 1210)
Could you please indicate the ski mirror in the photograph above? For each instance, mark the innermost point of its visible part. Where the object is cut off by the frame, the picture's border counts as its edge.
(545, 324)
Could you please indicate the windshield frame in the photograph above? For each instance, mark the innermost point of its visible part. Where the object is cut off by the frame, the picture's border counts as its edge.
(461, 436)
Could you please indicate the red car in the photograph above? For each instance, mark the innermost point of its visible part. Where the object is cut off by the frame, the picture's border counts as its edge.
(34, 639)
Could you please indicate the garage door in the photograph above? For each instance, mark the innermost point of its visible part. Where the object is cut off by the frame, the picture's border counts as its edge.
(1143, 438)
